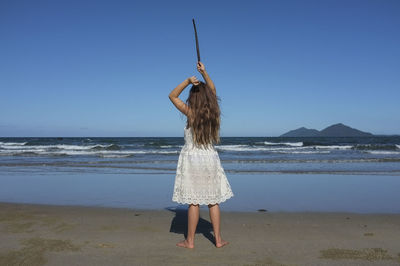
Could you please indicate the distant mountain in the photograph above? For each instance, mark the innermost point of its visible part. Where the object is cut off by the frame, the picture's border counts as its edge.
(301, 132)
(336, 130)
(340, 130)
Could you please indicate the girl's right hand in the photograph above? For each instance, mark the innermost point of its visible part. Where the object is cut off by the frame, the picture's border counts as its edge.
(193, 80)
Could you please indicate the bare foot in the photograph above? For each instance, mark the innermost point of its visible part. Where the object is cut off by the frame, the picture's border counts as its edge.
(185, 244)
(221, 243)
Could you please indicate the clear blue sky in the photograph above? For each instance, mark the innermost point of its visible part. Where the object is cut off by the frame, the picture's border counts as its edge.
(105, 68)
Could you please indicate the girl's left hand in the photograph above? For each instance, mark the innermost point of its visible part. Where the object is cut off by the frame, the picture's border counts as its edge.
(201, 68)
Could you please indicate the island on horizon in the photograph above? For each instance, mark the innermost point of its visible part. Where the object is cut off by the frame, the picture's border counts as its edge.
(335, 130)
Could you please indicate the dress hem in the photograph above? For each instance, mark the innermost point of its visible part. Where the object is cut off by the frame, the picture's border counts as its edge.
(223, 199)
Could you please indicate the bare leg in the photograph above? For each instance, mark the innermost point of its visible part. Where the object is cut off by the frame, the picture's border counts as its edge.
(193, 219)
(215, 216)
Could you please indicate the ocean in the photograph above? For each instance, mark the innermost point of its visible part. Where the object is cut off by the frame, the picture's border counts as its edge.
(272, 173)
(260, 155)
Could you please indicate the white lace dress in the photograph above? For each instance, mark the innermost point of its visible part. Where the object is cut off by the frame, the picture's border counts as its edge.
(200, 178)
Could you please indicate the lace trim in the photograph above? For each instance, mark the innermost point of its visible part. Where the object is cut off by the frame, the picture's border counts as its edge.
(189, 200)
(181, 197)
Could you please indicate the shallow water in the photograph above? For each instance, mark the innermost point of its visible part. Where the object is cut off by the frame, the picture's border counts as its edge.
(276, 192)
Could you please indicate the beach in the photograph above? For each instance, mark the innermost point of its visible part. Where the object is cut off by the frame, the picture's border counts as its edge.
(108, 201)
(33, 234)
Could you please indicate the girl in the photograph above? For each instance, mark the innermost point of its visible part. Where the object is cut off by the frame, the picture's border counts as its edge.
(200, 178)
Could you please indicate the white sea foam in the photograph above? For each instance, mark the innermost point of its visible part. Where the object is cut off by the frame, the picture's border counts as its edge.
(12, 143)
(15, 147)
(272, 149)
(293, 144)
(79, 147)
(21, 150)
(304, 152)
(335, 147)
(240, 148)
(398, 146)
(67, 152)
(115, 155)
(103, 153)
(58, 146)
(286, 148)
(125, 153)
(383, 152)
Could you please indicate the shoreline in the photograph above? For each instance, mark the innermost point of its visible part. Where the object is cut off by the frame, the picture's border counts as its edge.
(44, 234)
(203, 208)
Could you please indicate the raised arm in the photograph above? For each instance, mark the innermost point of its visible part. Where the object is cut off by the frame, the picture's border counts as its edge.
(174, 94)
(202, 69)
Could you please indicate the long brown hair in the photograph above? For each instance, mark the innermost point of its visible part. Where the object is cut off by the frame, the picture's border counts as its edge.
(204, 115)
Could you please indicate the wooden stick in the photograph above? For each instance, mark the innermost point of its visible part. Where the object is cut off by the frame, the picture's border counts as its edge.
(197, 41)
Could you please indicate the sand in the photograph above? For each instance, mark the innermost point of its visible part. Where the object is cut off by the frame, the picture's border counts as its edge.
(32, 234)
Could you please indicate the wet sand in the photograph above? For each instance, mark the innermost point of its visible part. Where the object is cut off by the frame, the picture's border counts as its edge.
(32, 234)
